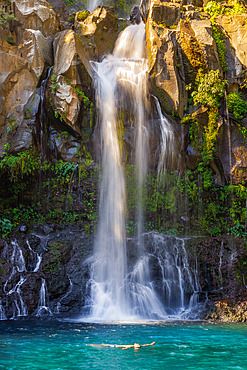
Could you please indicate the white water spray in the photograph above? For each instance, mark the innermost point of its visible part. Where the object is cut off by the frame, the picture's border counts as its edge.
(43, 308)
(120, 77)
(121, 85)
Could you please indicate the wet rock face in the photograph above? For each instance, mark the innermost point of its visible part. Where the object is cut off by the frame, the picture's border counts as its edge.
(135, 15)
(49, 275)
(54, 265)
(236, 43)
(222, 268)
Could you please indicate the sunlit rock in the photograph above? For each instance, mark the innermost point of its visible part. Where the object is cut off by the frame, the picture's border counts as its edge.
(66, 102)
(37, 15)
(37, 49)
(71, 78)
(203, 34)
(234, 26)
(96, 35)
(17, 85)
(164, 57)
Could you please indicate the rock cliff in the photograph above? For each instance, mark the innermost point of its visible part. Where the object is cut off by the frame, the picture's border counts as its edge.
(48, 106)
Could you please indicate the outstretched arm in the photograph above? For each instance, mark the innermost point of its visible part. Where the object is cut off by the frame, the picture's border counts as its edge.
(145, 345)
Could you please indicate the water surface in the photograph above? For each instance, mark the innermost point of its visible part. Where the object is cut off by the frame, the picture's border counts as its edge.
(64, 345)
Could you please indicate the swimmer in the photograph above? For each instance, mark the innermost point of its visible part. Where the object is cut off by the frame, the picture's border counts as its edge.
(123, 346)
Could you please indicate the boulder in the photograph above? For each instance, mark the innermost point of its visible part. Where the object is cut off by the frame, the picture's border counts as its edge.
(166, 68)
(192, 56)
(203, 33)
(135, 15)
(37, 15)
(71, 79)
(96, 36)
(36, 49)
(67, 103)
(17, 85)
(234, 26)
(60, 9)
(22, 65)
(165, 13)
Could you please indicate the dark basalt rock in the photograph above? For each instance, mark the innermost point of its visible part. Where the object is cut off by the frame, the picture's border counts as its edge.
(135, 15)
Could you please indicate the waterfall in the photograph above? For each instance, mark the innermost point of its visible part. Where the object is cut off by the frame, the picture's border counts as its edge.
(43, 309)
(167, 266)
(121, 82)
(19, 267)
(92, 4)
(2, 311)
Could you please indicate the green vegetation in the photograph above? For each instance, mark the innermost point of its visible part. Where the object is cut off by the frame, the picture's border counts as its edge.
(54, 84)
(70, 2)
(81, 16)
(209, 91)
(5, 17)
(10, 40)
(210, 88)
(188, 204)
(236, 105)
(35, 191)
(21, 164)
(215, 9)
(219, 39)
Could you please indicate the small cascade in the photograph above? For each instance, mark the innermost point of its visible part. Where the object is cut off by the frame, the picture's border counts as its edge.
(17, 258)
(168, 155)
(220, 262)
(58, 307)
(20, 305)
(13, 289)
(144, 299)
(43, 309)
(2, 312)
(38, 257)
(175, 276)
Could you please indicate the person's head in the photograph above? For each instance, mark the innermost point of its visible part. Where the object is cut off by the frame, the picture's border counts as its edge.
(137, 345)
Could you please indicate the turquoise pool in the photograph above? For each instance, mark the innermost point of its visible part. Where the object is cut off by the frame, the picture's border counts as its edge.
(179, 345)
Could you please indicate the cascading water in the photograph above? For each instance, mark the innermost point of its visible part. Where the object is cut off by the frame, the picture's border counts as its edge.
(121, 82)
(2, 311)
(43, 308)
(108, 291)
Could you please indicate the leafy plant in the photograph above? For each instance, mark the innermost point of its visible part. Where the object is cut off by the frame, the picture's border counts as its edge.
(236, 105)
(5, 17)
(215, 8)
(219, 39)
(54, 84)
(210, 88)
(5, 226)
(81, 16)
(10, 40)
(25, 163)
